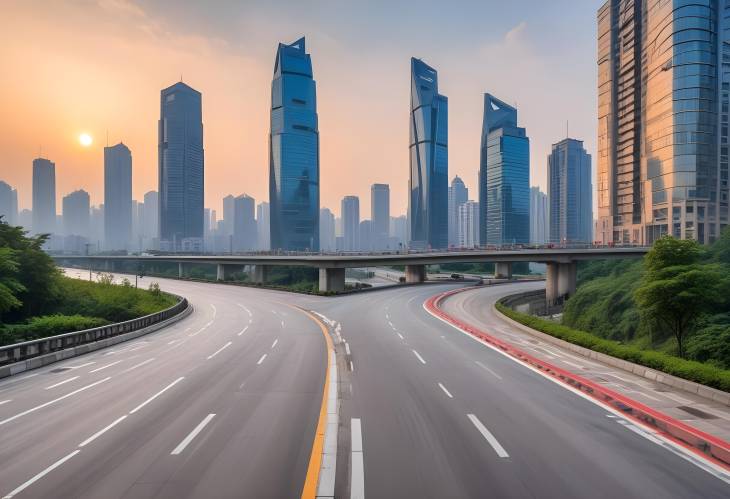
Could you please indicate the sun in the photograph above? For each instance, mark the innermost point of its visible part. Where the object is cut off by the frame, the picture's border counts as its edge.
(85, 139)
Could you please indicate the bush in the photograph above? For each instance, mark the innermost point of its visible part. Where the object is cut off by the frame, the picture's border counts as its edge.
(711, 345)
(48, 325)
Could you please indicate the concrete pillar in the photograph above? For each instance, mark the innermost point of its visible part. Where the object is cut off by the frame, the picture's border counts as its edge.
(551, 283)
(180, 270)
(260, 274)
(503, 270)
(566, 279)
(223, 272)
(331, 279)
(415, 273)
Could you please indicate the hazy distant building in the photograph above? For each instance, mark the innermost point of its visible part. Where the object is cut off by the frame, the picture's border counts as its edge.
(44, 196)
(469, 224)
(458, 195)
(399, 232)
(150, 221)
(244, 224)
(327, 238)
(263, 222)
(380, 216)
(365, 236)
(76, 214)
(228, 214)
(351, 222)
(8, 203)
(569, 193)
(429, 163)
(294, 151)
(117, 197)
(181, 169)
(539, 230)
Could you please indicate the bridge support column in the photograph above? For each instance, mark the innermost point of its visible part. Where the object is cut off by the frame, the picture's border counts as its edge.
(260, 274)
(415, 273)
(503, 270)
(224, 271)
(560, 282)
(180, 270)
(332, 279)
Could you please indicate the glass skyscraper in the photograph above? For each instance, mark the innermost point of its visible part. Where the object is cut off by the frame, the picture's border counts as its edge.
(663, 85)
(44, 196)
(458, 195)
(504, 176)
(117, 197)
(429, 162)
(181, 169)
(380, 215)
(294, 151)
(569, 193)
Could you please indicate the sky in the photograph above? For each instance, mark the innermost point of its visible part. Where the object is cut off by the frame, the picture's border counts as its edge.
(97, 67)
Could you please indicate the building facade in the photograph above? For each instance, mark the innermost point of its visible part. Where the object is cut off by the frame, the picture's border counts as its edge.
(539, 229)
(244, 224)
(263, 222)
(327, 240)
(117, 197)
(294, 151)
(380, 216)
(8, 203)
(458, 195)
(76, 210)
(181, 169)
(429, 163)
(504, 176)
(44, 196)
(468, 224)
(351, 223)
(570, 193)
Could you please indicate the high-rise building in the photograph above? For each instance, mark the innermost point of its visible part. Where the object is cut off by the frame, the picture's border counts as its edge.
(181, 169)
(569, 193)
(8, 203)
(150, 221)
(429, 163)
(504, 176)
(365, 235)
(469, 224)
(228, 214)
(539, 230)
(663, 77)
(44, 196)
(244, 223)
(263, 222)
(399, 232)
(458, 195)
(76, 214)
(351, 222)
(117, 197)
(327, 239)
(380, 215)
(294, 151)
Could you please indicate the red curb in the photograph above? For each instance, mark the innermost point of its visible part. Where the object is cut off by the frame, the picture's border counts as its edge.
(699, 442)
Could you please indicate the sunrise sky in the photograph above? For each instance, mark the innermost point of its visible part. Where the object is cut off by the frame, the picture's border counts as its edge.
(92, 66)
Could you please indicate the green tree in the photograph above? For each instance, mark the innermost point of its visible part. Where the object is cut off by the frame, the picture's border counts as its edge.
(9, 284)
(669, 252)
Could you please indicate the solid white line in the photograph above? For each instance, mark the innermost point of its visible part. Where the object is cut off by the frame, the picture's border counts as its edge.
(242, 331)
(488, 436)
(137, 365)
(102, 431)
(219, 350)
(352, 367)
(400, 336)
(488, 370)
(261, 359)
(357, 480)
(181, 446)
(446, 391)
(215, 310)
(41, 474)
(104, 367)
(4, 401)
(33, 409)
(275, 342)
(347, 348)
(82, 365)
(282, 324)
(419, 356)
(153, 397)
(62, 382)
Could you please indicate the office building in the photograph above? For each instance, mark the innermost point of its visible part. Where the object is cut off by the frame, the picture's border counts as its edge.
(351, 223)
(458, 195)
(429, 164)
(228, 214)
(8, 204)
(294, 151)
(399, 232)
(365, 235)
(44, 196)
(569, 193)
(327, 238)
(117, 197)
(76, 210)
(263, 222)
(149, 225)
(181, 169)
(539, 230)
(504, 176)
(244, 224)
(380, 216)
(469, 224)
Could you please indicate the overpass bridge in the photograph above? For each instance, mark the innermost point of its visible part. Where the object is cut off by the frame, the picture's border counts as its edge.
(560, 279)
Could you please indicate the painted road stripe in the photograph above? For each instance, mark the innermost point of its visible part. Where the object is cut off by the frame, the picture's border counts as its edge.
(181, 446)
(219, 350)
(419, 356)
(347, 348)
(33, 409)
(62, 382)
(102, 431)
(263, 357)
(247, 310)
(488, 436)
(5, 401)
(275, 342)
(82, 365)
(242, 331)
(137, 365)
(104, 367)
(352, 367)
(282, 324)
(446, 391)
(487, 369)
(400, 336)
(41, 474)
(153, 397)
(357, 480)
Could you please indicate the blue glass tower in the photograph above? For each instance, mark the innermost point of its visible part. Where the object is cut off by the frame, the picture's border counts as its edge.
(294, 152)
(504, 176)
(429, 163)
(569, 193)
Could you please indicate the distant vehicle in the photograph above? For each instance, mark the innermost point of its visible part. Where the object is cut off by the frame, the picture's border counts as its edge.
(457, 276)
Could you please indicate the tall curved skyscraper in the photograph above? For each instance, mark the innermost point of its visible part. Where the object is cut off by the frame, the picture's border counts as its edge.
(294, 152)
(429, 163)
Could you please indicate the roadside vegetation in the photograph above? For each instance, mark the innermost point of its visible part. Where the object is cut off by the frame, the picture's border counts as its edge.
(37, 301)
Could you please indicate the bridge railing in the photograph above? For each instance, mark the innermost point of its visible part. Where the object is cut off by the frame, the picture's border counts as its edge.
(18, 352)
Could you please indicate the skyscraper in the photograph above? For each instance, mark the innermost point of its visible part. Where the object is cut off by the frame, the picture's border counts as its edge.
(539, 230)
(468, 224)
(504, 176)
(44, 196)
(294, 151)
(458, 195)
(228, 214)
(181, 169)
(263, 222)
(380, 215)
(663, 77)
(365, 235)
(76, 214)
(429, 163)
(351, 222)
(244, 223)
(327, 239)
(117, 197)
(150, 221)
(569, 193)
(8, 203)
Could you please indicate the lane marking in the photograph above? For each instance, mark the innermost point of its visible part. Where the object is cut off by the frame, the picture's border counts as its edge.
(352, 367)
(153, 397)
(275, 342)
(357, 480)
(263, 357)
(46, 404)
(181, 446)
(488, 370)
(418, 356)
(242, 331)
(137, 365)
(62, 382)
(138, 347)
(488, 436)
(104, 367)
(82, 365)
(572, 364)
(282, 324)
(247, 310)
(400, 336)
(5, 401)
(448, 394)
(347, 348)
(219, 350)
(102, 431)
(41, 474)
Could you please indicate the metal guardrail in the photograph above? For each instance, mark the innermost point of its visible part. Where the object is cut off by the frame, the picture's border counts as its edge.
(19, 352)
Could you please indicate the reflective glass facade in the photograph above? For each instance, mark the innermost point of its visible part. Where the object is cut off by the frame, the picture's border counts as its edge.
(504, 176)
(294, 151)
(569, 193)
(429, 163)
(117, 197)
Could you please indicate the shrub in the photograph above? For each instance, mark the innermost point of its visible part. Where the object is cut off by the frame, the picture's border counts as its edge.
(48, 325)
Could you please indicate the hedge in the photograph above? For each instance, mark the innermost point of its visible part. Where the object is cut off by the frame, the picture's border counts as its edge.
(48, 325)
